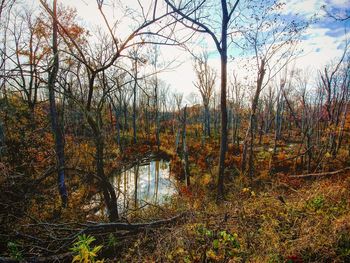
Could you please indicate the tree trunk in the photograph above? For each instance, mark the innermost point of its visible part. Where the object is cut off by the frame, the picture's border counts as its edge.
(156, 113)
(207, 120)
(125, 111)
(117, 123)
(56, 129)
(253, 122)
(223, 143)
(184, 150)
(106, 187)
(134, 105)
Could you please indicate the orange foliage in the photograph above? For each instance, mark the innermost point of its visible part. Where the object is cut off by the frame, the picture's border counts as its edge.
(186, 192)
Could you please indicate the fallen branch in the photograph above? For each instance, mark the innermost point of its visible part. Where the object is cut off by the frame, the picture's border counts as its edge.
(58, 242)
(293, 157)
(8, 260)
(55, 258)
(130, 227)
(320, 174)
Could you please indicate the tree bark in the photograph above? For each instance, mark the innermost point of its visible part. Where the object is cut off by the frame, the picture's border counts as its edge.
(56, 129)
(107, 188)
(253, 122)
(223, 106)
(134, 105)
(184, 150)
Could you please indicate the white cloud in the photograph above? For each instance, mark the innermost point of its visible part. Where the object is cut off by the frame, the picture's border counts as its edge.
(319, 48)
(306, 8)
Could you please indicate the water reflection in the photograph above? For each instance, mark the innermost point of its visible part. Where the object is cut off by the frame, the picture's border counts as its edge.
(147, 183)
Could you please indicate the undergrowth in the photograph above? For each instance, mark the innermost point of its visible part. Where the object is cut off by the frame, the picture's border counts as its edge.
(273, 224)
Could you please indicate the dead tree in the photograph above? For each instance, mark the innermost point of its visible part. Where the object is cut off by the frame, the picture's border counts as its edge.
(55, 125)
(205, 83)
(272, 41)
(197, 17)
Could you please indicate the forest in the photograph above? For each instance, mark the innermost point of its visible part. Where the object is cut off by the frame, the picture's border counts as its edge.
(174, 131)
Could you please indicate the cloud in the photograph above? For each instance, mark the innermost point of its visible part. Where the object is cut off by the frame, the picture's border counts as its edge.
(339, 3)
(322, 42)
(339, 32)
(305, 8)
(320, 48)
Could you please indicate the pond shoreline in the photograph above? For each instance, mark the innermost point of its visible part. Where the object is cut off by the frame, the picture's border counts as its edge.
(144, 182)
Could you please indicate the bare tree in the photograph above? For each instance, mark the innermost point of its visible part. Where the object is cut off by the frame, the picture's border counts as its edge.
(155, 84)
(272, 41)
(185, 149)
(178, 101)
(205, 83)
(335, 83)
(56, 127)
(237, 95)
(97, 61)
(31, 46)
(199, 17)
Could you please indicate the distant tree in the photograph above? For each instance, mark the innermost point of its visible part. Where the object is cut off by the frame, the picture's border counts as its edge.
(205, 83)
(138, 60)
(184, 155)
(155, 85)
(335, 89)
(201, 17)
(237, 94)
(5, 18)
(271, 40)
(97, 62)
(32, 52)
(178, 97)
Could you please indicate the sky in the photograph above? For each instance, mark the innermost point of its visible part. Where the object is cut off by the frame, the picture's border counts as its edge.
(322, 43)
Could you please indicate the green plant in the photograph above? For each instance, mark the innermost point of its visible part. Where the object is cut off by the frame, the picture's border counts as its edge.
(85, 253)
(344, 246)
(229, 239)
(275, 258)
(14, 251)
(316, 203)
(203, 231)
(112, 240)
(218, 244)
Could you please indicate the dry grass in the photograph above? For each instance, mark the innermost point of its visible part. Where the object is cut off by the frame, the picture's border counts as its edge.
(273, 224)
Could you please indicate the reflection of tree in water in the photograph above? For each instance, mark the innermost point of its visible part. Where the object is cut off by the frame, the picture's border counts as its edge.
(163, 165)
(156, 182)
(136, 173)
(144, 183)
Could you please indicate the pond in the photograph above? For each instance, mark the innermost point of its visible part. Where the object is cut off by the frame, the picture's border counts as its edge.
(144, 184)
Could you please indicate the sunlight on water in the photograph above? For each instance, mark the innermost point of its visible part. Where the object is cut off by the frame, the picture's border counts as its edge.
(139, 186)
(145, 183)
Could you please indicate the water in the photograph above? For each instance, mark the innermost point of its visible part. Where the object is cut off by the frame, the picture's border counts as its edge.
(139, 186)
(143, 184)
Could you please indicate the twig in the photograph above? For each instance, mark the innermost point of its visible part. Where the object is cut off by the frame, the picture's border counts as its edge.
(320, 174)
(293, 157)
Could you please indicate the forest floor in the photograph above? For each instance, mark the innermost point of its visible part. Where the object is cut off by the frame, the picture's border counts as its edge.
(273, 217)
(276, 222)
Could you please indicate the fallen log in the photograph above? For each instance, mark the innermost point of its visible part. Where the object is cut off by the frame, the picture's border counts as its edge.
(123, 229)
(98, 227)
(65, 257)
(320, 174)
(8, 260)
